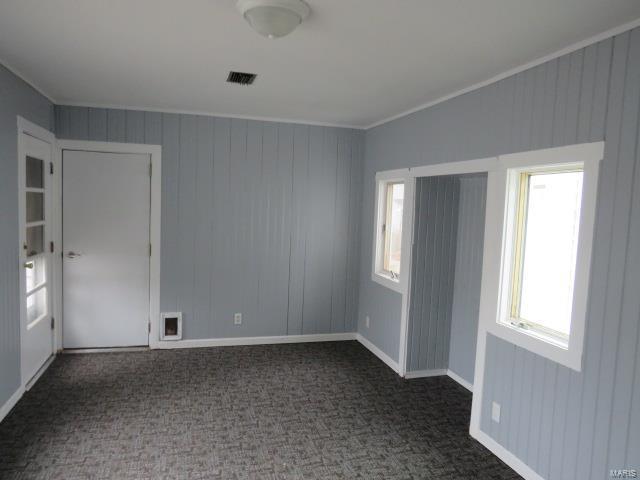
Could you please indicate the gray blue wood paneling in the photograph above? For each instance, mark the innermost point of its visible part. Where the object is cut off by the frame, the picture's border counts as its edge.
(468, 275)
(446, 273)
(260, 218)
(434, 257)
(562, 423)
(16, 98)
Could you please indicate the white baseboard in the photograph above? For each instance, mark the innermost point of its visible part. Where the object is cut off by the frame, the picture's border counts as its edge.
(227, 342)
(505, 455)
(9, 404)
(438, 372)
(460, 380)
(74, 351)
(17, 395)
(39, 373)
(390, 362)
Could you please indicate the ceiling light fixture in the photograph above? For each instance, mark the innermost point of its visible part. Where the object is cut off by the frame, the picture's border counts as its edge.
(273, 18)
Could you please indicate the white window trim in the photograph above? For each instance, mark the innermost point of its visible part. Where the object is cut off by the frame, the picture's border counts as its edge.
(497, 262)
(378, 274)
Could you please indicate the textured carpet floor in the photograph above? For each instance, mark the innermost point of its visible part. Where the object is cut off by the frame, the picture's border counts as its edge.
(324, 410)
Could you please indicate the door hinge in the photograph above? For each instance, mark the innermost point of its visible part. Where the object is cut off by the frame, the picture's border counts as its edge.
(150, 170)
(149, 249)
(53, 323)
(51, 247)
(149, 327)
(50, 168)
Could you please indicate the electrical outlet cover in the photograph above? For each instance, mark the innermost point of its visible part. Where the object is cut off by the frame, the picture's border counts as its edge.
(495, 412)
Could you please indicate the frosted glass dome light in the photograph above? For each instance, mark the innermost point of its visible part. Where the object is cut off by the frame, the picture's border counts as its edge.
(273, 18)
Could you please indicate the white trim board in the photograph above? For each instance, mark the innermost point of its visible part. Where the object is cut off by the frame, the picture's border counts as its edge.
(441, 372)
(506, 456)
(438, 372)
(76, 351)
(390, 362)
(203, 113)
(267, 340)
(454, 376)
(501, 76)
(39, 373)
(11, 402)
(20, 391)
(155, 152)
(476, 86)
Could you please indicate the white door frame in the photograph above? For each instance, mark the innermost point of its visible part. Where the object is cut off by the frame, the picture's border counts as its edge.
(24, 126)
(155, 152)
(408, 219)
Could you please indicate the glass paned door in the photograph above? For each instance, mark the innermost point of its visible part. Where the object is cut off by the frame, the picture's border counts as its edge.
(35, 257)
(36, 262)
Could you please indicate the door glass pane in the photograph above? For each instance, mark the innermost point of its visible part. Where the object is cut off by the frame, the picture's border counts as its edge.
(35, 173)
(35, 240)
(35, 272)
(36, 305)
(35, 206)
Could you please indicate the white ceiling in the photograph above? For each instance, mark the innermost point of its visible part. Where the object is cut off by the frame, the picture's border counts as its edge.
(352, 62)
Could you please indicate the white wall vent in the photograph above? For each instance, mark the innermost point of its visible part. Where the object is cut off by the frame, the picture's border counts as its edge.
(171, 326)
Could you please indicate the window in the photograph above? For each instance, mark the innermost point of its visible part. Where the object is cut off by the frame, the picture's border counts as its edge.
(546, 244)
(538, 238)
(391, 192)
(392, 229)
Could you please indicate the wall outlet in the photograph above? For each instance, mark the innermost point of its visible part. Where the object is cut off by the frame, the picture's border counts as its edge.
(237, 319)
(367, 321)
(495, 412)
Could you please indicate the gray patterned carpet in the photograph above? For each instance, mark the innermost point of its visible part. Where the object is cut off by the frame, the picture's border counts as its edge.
(312, 411)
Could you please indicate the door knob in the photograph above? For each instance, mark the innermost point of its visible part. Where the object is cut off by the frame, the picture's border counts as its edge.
(72, 254)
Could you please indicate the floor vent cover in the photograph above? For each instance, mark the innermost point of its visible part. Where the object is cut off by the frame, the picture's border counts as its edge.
(241, 78)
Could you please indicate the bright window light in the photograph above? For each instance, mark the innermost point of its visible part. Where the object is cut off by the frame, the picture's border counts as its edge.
(546, 245)
(392, 228)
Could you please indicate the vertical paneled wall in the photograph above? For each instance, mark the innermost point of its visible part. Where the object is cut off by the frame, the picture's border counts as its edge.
(468, 275)
(433, 265)
(562, 423)
(16, 98)
(257, 217)
(446, 273)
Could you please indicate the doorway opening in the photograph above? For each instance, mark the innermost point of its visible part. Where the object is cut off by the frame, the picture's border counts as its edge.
(446, 274)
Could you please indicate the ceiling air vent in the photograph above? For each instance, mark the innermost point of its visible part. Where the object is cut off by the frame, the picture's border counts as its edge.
(241, 78)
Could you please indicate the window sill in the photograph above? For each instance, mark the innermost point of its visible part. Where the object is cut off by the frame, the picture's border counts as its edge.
(387, 281)
(539, 343)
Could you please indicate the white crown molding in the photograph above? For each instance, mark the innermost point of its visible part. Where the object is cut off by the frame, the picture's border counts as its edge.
(209, 114)
(564, 51)
(28, 81)
(501, 76)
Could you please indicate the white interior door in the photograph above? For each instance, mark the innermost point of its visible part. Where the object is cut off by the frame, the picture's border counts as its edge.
(35, 254)
(106, 205)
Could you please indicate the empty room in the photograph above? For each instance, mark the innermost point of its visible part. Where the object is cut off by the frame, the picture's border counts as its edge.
(319, 239)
